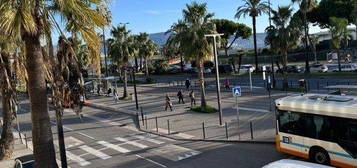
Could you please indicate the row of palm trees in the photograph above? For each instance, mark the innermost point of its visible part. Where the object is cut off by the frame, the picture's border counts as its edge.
(124, 47)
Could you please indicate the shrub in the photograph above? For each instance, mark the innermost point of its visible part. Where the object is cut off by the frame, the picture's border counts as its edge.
(207, 109)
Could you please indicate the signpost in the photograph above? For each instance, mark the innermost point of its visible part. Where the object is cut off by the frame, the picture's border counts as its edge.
(250, 80)
(237, 92)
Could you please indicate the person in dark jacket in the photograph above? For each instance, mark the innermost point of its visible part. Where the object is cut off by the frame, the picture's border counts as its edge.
(180, 97)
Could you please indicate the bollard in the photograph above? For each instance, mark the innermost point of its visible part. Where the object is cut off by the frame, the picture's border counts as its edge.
(203, 130)
(146, 123)
(157, 128)
(168, 127)
(142, 115)
(226, 130)
(251, 130)
(26, 141)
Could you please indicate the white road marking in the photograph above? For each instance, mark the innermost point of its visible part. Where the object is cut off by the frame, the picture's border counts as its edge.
(112, 146)
(90, 137)
(95, 152)
(159, 164)
(252, 109)
(181, 135)
(70, 129)
(131, 142)
(148, 139)
(78, 159)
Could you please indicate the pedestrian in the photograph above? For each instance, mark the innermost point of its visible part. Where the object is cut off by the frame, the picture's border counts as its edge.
(168, 102)
(226, 84)
(192, 97)
(98, 89)
(109, 91)
(187, 84)
(116, 97)
(180, 97)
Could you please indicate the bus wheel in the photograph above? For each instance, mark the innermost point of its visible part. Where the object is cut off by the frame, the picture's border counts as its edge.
(319, 155)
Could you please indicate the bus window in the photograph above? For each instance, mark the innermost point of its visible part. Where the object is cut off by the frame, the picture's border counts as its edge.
(353, 132)
(290, 122)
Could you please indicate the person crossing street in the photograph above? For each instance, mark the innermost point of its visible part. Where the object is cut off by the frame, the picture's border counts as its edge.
(192, 97)
(180, 97)
(168, 102)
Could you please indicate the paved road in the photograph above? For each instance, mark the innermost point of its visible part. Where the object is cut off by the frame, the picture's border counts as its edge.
(107, 139)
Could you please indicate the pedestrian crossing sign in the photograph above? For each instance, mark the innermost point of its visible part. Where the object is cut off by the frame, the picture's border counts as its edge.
(237, 91)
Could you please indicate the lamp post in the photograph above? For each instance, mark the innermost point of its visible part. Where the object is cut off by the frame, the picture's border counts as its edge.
(217, 74)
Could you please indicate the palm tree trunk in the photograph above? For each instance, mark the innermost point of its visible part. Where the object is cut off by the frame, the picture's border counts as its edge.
(255, 44)
(7, 139)
(201, 83)
(44, 152)
(125, 93)
(136, 64)
(146, 68)
(181, 59)
(285, 75)
(307, 61)
(339, 60)
(240, 63)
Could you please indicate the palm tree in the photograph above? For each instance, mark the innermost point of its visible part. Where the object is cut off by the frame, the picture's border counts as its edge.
(253, 8)
(283, 36)
(338, 29)
(142, 39)
(29, 20)
(121, 50)
(189, 34)
(150, 49)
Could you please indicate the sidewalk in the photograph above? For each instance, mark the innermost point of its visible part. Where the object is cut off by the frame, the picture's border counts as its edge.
(185, 124)
(19, 150)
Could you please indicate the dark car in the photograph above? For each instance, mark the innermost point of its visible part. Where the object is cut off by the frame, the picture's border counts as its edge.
(293, 69)
(26, 161)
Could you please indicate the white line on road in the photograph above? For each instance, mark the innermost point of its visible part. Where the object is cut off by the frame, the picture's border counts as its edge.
(78, 159)
(181, 135)
(131, 142)
(148, 139)
(95, 152)
(90, 137)
(252, 109)
(159, 164)
(112, 146)
(70, 129)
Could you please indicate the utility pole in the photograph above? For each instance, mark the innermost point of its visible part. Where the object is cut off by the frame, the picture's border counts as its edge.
(271, 56)
(217, 74)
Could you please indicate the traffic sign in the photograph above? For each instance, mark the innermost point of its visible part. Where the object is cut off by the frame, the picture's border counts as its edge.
(237, 91)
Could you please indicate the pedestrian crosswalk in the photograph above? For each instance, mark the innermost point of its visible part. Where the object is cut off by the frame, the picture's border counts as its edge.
(82, 154)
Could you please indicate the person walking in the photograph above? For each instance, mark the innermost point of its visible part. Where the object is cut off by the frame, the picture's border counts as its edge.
(180, 97)
(98, 89)
(192, 97)
(226, 84)
(109, 92)
(116, 97)
(187, 84)
(168, 102)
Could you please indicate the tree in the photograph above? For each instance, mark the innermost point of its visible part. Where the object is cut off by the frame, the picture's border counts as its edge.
(121, 49)
(304, 7)
(331, 8)
(339, 32)
(354, 16)
(149, 50)
(142, 39)
(189, 35)
(253, 8)
(283, 36)
(28, 20)
(229, 29)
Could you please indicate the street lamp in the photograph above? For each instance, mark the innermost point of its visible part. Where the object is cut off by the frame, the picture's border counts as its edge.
(217, 74)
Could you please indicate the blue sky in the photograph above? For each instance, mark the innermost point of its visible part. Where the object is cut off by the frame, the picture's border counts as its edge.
(153, 16)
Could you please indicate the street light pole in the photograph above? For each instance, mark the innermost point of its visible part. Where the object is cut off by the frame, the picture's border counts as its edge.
(217, 74)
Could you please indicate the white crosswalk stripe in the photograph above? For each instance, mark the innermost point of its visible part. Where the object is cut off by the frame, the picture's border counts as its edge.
(148, 139)
(131, 142)
(78, 159)
(112, 146)
(95, 152)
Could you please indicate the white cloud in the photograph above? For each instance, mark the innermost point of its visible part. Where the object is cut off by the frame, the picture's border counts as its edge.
(153, 12)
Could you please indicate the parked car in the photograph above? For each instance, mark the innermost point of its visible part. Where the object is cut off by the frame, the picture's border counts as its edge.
(288, 163)
(346, 68)
(318, 68)
(174, 69)
(245, 68)
(293, 69)
(332, 67)
(26, 161)
(225, 68)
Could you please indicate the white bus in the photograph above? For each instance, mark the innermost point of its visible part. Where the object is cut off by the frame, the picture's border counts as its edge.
(322, 128)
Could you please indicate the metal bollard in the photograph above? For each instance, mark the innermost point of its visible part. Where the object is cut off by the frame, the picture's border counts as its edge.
(226, 130)
(26, 141)
(157, 128)
(251, 130)
(168, 127)
(142, 115)
(203, 130)
(146, 123)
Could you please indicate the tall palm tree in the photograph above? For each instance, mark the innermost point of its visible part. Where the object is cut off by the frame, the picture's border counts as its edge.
(29, 20)
(253, 8)
(189, 34)
(283, 36)
(339, 32)
(120, 51)
(150, 49)
(142, 39)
